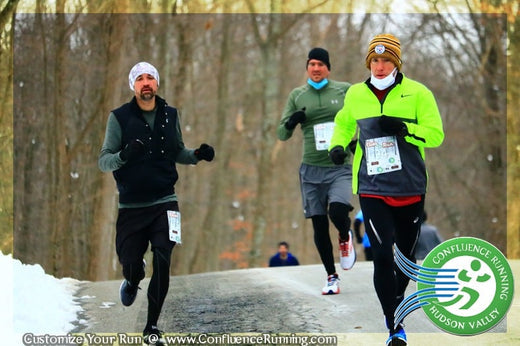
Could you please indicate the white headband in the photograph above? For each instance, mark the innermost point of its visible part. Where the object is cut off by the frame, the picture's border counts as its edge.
(139, 69)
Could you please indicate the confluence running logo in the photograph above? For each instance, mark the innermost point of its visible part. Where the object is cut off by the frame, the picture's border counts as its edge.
(464, 286)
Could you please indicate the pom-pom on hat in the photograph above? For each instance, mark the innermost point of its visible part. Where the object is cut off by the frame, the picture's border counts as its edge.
(319, 54)
(385, 46)
(139, 69)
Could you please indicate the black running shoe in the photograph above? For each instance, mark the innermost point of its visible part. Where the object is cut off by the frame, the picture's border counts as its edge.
(153, 336)
(127, 292)
(398, 337)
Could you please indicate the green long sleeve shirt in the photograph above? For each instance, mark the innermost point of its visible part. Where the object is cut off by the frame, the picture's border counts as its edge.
(321, 107)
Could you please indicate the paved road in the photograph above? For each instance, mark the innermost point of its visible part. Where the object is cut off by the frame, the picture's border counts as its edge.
(273, 300)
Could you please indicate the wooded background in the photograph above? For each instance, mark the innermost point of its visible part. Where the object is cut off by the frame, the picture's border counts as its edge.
(229, 67)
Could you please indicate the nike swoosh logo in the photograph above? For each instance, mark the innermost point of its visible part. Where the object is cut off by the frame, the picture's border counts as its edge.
(405, 95)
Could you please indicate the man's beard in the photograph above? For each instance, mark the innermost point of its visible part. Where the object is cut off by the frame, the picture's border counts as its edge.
(147, 96)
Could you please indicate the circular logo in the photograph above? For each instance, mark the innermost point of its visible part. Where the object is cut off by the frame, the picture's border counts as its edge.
(469, 287)
(379, 49)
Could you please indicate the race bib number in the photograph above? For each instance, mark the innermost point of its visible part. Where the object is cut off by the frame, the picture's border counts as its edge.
(174, 225)
(382, 155)
(322, 135)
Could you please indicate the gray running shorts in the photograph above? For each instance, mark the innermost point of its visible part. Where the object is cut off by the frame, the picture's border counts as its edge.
(323, 185)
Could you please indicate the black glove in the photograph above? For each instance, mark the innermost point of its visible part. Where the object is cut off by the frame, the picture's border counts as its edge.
(133, 150)
(338, 155)
(352, 146)
(205, 152)
(295, 119)
(393, 126)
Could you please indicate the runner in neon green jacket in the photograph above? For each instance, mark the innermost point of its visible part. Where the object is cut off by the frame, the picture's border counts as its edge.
(395, 119)
(408, 101)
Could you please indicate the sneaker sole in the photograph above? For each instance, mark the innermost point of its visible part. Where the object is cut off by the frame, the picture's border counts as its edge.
(329, 293)
(397, 342)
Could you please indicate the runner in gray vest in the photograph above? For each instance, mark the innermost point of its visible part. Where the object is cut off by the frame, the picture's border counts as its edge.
(143, 141)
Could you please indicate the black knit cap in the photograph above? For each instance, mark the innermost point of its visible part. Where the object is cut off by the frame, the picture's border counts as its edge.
(319, 54)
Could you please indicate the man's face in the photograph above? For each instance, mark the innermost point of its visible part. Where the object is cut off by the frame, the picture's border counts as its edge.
(145, 87)
(381, 67)
(282, 249)
(317, 70)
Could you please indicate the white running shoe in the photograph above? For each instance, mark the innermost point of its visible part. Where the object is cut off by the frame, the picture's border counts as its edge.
(347, 253)
(332, 286)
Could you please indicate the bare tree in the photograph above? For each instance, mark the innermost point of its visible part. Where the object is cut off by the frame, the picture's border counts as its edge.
(104, 201)
(513, 135)
(268, 32)
(218, 184)
(475, 56)
(229, 75)
(6, 128)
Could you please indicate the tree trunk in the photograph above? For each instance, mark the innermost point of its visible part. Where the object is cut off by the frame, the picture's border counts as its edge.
(102, 248)
(270, 67)
(215, 216)
(513, 140)
(58, 139)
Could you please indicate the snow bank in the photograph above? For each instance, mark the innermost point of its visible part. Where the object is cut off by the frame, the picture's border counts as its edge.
(37, 303)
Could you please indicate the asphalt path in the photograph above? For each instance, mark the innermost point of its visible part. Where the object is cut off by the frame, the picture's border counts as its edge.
(275, 300)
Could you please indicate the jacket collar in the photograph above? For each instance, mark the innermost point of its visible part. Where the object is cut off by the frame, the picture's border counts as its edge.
(398, 80)
(160, 103)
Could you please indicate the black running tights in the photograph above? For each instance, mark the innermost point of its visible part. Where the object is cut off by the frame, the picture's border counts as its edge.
(338, 213)
(339, 216)
(385, 225)
(159, 284)
(320, 223)
(133, 272)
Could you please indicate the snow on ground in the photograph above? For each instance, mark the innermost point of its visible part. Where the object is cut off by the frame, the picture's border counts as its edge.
(35, 302)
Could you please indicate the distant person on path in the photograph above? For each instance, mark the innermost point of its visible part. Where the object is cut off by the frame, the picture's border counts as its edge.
(428, 239)
(283, 257)
(325, 187)
(143, 141)
(396, 118)
(358, 221)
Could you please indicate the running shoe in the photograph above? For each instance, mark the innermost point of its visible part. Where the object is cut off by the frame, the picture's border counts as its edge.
(347, 253)
(128, 292)
(332, 286)
(154, 336)
(398, 337)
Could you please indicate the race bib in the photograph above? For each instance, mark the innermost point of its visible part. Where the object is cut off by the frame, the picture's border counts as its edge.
(174, 225)
(382, 155)
(322, 135)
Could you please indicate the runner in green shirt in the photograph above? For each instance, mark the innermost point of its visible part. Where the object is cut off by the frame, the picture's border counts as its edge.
(325, 187)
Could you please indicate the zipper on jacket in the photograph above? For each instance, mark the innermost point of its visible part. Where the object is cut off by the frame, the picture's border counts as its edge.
(398, 80)
(386, 95)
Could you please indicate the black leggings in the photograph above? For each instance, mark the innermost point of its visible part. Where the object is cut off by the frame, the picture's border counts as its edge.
(159, 282)
(338, 213)
(385, 225)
